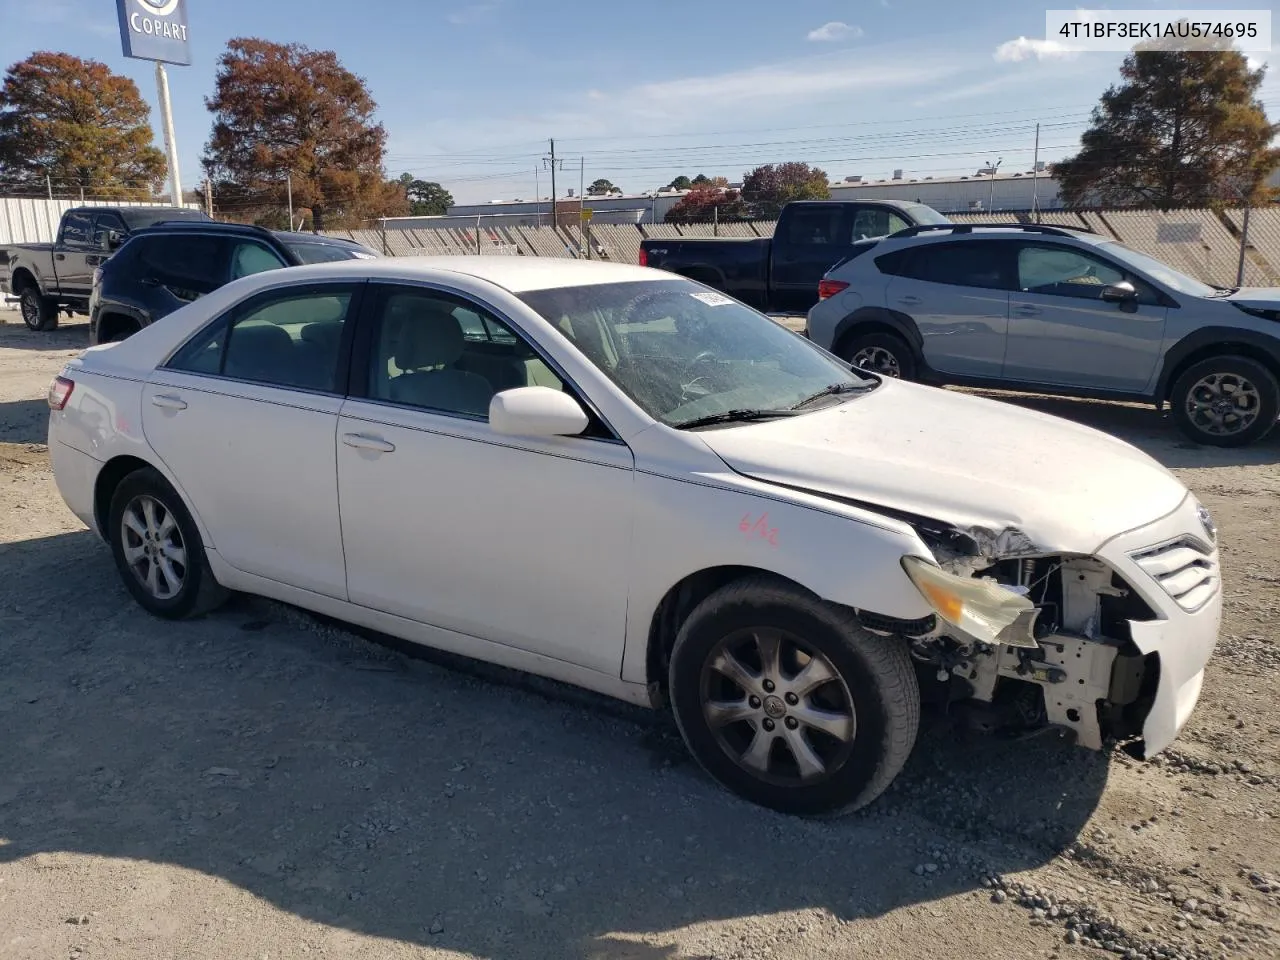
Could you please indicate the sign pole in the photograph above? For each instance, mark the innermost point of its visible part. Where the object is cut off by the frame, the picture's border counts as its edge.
(170, 141)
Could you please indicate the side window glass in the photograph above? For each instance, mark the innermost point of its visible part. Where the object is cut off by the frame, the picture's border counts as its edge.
(102, 228)
(427, 356)
(77, 230)
(961, 264)
(291, 340)
(187, 266)
(250, 258)
(815, 227)
(1064, 272)
(870, 222)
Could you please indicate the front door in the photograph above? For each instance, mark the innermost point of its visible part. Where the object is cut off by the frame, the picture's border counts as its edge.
(1061, 332)
(71, 254)
(245, 417)
(522, 542)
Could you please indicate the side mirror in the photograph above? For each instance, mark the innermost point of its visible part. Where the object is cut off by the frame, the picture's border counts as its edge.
(115, 240)
(536, 412)
(1119, 292)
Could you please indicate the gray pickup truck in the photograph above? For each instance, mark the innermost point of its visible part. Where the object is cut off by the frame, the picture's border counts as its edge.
(49, 279)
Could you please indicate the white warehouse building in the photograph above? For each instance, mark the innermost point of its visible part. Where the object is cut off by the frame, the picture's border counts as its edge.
(980, 192)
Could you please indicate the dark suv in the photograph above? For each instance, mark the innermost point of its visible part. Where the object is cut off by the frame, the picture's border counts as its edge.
(164, 267)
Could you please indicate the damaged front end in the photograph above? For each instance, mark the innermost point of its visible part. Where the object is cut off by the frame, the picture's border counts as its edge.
(1026, 639)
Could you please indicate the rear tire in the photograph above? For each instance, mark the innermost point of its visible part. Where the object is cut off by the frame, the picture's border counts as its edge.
(1225, 401)
(819, 728)
(158, 551)
(880, 352)
(39, 313)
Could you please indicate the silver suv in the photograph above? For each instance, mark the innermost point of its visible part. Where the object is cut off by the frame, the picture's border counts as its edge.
(1059, 311)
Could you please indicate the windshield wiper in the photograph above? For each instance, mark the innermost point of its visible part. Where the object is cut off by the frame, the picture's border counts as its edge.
(733, 416)
(834, 390)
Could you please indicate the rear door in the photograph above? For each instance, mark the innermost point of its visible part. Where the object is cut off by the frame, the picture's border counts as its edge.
(810, 240)
(71, 254)
(957, 293)
(175, 269)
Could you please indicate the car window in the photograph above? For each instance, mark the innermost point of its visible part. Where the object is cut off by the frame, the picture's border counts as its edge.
(102, 227)
(962, 264)
(683, 352)
(309, 252)
(188, 266)
(432, 352)
(871, 222)
(1064, 272)
(290, 339)
(248, 258)
(815, 226)
(77, 229)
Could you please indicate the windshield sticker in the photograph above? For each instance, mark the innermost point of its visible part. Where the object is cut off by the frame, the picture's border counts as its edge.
(711, 298)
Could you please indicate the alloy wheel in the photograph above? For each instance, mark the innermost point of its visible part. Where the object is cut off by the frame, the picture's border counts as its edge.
(777, 707)
(1223, 404)
(153, 547)
(877, 360)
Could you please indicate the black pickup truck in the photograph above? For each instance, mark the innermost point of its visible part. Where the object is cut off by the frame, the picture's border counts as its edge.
(49, 278)
(780, 274)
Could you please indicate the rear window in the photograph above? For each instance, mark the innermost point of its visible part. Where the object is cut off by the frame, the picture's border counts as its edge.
(961, 264)
(327, 252)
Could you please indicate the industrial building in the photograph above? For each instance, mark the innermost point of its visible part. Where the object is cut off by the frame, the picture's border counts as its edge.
(981, 192)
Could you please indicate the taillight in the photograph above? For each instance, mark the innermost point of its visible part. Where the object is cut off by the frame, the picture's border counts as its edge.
(60, 392)
(829, 288)
(644, 257)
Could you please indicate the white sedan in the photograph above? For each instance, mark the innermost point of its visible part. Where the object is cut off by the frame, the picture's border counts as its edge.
(621, 479)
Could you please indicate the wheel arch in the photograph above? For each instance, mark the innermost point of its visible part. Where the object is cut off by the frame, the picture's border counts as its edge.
(23, 278)
(873, 319)
(113, 319)
(676, 605)
(1216, 342)
(119, 467)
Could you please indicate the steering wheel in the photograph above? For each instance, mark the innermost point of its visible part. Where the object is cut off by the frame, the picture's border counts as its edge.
(689, 378)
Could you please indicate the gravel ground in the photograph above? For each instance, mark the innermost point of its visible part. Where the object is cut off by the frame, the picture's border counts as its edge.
(261, 784)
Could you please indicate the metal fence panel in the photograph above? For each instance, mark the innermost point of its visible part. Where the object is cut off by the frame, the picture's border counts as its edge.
(35, 220)
(1264, 242)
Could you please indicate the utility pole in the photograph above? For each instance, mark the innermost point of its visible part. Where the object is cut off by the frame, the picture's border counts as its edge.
(208, 200)
(551, 161)
(537, 194)
(1035, 179)
(288, 181)
(992, 198)
(48, 182)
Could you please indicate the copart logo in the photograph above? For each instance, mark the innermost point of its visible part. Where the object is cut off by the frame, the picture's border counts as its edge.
(151, 20)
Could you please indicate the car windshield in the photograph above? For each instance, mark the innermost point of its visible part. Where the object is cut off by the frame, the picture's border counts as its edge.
(684, 352)
(1158, 271)
(326, 252)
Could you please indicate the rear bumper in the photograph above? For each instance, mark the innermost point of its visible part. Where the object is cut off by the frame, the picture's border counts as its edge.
(76, 475)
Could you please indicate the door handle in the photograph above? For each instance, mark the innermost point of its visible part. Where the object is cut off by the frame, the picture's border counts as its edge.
(909, 301)
(364, 442)
(168, 401)
(1027, 311)
(59, 256)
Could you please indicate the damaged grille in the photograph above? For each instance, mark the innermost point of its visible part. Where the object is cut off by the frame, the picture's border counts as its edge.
(1185, 569)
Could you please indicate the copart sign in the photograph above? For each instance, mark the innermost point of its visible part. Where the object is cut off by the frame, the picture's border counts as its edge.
(155, 30)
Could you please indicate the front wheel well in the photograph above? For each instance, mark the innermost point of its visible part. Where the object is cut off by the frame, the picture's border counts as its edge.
(109, 477)
(1211, 350)
(674, 609)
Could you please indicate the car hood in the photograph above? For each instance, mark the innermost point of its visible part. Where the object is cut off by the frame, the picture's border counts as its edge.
(1263, 298)
(1017, 481)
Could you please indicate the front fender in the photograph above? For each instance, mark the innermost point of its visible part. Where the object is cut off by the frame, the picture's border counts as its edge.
(683, 526)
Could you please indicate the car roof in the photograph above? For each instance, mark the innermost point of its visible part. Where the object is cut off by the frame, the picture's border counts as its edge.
(136, 217)
(298, 237)
(997, 231)
(515, 274)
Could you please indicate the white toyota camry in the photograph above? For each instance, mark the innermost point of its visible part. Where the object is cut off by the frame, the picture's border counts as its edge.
(622, 479)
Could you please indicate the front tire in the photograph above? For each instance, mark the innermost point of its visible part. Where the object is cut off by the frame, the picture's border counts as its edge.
(1225, 401)
(788, 702)
(879, 352)
(39, 313)
(158, 551)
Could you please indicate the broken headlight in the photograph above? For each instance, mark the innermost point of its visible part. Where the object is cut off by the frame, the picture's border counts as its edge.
(987, 611)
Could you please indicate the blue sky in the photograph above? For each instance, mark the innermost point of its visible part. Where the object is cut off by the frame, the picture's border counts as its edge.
(470, 90)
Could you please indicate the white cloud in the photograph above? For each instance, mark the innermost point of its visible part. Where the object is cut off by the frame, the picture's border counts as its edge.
(834, 31)
(1026, 48)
